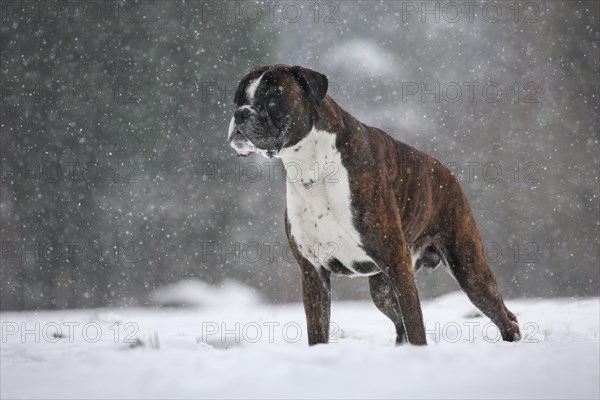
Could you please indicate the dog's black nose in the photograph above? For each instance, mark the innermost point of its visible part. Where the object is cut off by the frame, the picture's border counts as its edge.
(240, 115)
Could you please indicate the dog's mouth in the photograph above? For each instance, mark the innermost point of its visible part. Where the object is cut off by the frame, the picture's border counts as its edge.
(241, 144)
(244, 146)
(268, 153)
(237, 133)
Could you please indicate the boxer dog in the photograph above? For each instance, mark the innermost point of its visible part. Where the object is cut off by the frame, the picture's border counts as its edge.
(386, 208)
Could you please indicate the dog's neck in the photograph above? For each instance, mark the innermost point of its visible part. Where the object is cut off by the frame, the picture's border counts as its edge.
(313, 159)
(318, 154)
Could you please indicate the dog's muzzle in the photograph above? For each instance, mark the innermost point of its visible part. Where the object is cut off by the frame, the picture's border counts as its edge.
(238, 138)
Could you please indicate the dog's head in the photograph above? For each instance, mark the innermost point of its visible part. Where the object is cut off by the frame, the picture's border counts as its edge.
(275, 108)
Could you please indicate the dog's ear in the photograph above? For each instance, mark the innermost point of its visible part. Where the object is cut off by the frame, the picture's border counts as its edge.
(315, 83)
(240, 94)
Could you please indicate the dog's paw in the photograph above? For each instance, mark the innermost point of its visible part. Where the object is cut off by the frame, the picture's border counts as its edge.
(513, 334)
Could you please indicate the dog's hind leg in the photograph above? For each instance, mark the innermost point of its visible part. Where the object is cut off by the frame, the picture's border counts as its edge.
(475, 277)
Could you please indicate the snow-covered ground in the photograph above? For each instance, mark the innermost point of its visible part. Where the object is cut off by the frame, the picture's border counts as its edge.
(259, 350)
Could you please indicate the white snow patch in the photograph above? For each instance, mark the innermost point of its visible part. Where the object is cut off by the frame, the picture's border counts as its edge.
(362, 55)
(198, 293)
(251, 351)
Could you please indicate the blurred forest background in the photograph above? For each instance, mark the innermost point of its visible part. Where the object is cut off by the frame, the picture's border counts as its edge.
(117, 177)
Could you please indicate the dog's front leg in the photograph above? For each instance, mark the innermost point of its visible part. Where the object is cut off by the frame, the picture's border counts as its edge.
(316, 296)
(392, 254)
(402, 275)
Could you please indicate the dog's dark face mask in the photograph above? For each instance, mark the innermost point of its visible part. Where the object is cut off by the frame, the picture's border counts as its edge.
(275, 108)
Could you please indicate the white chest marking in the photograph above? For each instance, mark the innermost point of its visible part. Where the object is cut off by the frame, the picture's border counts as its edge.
(318, 202)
